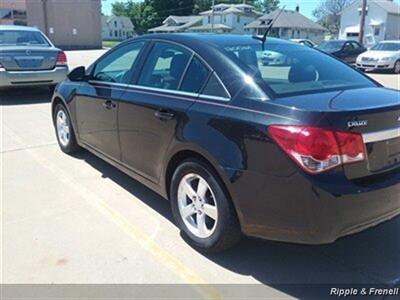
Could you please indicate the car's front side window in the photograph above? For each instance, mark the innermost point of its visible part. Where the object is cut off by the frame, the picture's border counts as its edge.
(164, 67)
(116, 67)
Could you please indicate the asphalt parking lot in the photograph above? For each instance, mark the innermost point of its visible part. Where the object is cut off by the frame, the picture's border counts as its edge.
(79, 220)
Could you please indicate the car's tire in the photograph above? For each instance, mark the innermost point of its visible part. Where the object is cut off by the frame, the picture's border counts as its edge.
(211, 208)
(396, 67)
(64, 131)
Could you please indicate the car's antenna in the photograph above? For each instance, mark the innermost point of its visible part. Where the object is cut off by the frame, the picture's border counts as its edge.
(263, 38)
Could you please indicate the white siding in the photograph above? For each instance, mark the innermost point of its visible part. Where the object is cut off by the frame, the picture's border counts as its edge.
(376, 15)
(393, 27)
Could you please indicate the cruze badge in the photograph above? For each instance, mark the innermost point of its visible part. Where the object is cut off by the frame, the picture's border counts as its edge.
(357, 123)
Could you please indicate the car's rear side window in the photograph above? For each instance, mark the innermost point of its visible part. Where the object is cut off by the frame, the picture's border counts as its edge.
(195, 77)
(215, 88)
(164, 67)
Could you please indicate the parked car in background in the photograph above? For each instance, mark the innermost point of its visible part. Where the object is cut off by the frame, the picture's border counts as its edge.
(304, 42)
(28, 58)
(347, 51)
(383, 56)
(307, 152)
(272, 58)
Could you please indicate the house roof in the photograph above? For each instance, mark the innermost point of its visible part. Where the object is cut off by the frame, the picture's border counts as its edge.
(389, 6)
(231, 9)
(183, 19)
(207, 27)
(127, 23)
(181, 24)
(287, 19)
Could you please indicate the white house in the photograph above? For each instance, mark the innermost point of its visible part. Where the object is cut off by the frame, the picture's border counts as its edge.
(227, 18)
(290, 24)
(177, 24)
(117, 28)
(382, 21)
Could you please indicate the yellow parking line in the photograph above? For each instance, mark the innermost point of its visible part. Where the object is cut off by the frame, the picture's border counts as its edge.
(163, 256)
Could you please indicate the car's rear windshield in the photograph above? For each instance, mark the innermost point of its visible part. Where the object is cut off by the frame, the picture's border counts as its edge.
(331, 45)
(386, 47)
(22, 38)
(286, 69)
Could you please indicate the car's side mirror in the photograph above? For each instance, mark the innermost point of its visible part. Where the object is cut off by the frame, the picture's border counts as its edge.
(78, 74)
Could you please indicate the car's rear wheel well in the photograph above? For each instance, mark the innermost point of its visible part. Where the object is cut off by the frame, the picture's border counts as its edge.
(178, 158)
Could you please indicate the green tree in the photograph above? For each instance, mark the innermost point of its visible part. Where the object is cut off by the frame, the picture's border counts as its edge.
(328, 14)
(267, 6)
(142, 14)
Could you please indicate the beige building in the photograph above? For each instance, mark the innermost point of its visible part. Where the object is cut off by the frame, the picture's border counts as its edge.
(72, 24)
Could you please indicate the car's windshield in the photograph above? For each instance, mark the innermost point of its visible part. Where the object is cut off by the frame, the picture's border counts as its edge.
(290, 69)
(331, 45)
(22, 38)
(386, 47)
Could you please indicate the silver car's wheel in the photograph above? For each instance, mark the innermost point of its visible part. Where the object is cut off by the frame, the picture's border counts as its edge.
(197, 205)
(63, 128)
(396, 68)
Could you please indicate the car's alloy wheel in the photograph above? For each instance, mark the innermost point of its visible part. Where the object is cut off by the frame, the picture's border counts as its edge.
(64, 130)
(202, 208)
(396, 68)
(197, 206)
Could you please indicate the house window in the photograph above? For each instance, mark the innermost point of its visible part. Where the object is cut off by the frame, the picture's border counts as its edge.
(5, 14)
(209, 19)
(238, 18)
(224, 19)
(377, 31)
(352, 34)
(115, 24)
(115, 33)
(110, 32)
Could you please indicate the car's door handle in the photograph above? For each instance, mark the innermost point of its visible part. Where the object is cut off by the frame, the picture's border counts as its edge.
(164, 114)
(109, 104)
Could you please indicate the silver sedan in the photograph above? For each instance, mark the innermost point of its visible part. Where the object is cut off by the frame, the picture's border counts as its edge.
(28, 58)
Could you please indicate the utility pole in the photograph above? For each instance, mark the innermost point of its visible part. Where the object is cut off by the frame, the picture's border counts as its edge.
(45, 19)
(212, 16)
(362, 21)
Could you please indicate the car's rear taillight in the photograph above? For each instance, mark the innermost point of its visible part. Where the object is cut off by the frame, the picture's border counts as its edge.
(61, 59)
(315, 149)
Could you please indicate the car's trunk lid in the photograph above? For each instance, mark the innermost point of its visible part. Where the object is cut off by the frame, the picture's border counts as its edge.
(373, 112)
(28, 59)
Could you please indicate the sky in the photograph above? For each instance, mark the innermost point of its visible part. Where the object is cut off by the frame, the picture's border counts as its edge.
(306, 6)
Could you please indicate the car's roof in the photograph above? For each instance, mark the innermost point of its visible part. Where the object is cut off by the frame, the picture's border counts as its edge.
(216, 39)
(15, 27)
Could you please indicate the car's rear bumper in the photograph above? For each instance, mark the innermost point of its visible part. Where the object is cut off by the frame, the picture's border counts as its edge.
(295, 209)
(33, 78)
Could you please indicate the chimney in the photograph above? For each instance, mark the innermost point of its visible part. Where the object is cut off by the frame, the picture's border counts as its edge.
(297, 8)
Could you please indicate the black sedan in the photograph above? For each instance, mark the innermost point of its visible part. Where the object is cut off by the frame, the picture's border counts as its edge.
(347, 51)
(303, 152)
